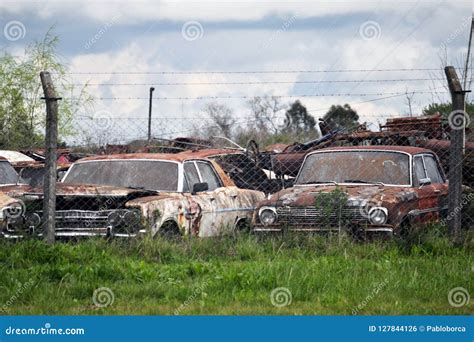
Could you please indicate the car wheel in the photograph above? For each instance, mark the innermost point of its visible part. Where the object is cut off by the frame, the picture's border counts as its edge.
(243, 226)
(169, 230)
(405, 229)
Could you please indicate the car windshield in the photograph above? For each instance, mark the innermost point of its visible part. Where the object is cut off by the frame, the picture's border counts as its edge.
(144, 174)
(8, 174)
(390, 168)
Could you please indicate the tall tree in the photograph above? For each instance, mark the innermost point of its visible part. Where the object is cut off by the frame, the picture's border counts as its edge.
(298, 120)
(445, 108)
(266, 111)
(341, 116)
(222, 117)
(22, 112)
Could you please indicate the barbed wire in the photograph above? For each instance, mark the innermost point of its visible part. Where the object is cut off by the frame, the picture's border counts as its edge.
(184, 98)
(360, 102)
(191, 72)
(180, 118)
(258, 82)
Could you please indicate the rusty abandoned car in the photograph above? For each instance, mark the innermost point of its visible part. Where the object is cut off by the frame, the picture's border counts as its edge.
(360, 189)
(126, 195)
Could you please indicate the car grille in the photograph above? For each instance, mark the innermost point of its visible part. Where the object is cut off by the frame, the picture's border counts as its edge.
(81, 220)
(88, 222)
(318, 216)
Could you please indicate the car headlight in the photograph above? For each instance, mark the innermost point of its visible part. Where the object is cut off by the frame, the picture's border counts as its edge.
(114, 219)
(131, 218)
(33, 220)
(267, 215)
(124, 221)
(378, 215)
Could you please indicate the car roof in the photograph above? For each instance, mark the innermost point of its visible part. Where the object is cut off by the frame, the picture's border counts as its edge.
(15, 156)
(404, 149)
(176, 157)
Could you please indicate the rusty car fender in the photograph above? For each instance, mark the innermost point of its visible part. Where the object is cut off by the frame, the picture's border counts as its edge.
(203, 214)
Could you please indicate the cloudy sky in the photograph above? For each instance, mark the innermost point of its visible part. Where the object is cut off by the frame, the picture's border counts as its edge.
(324, 52)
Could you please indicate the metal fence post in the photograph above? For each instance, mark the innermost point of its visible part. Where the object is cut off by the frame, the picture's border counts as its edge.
(51, 142)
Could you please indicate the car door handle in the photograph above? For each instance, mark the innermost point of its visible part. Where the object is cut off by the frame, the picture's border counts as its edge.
(437, 191)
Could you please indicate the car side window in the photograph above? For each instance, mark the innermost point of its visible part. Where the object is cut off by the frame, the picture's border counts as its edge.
(432, 169)
(418, 170)
(209, 176)
(191, 176)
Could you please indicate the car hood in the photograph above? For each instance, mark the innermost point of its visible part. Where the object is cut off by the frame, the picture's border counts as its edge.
(6, 201)
(87, 190)
(306, 195)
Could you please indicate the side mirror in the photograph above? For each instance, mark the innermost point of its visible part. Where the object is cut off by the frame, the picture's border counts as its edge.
(200, 187)
(425, 181)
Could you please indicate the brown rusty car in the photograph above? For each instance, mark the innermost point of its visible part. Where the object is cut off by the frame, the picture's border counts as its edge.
(126, 195)
(360, 189)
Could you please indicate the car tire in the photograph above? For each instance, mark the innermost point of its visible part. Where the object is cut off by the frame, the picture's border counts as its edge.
(169, 230)
(242, 226)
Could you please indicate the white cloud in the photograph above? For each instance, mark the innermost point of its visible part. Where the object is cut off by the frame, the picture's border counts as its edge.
(143, 10)
(411, 33)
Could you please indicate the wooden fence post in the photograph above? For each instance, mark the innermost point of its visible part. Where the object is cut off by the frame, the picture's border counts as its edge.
(51, 143)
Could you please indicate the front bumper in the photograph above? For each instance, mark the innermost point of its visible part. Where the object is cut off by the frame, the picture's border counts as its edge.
(101, 232)
(79, 223)
(275, 228)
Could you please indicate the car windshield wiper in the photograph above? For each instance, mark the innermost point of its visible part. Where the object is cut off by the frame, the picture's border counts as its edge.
(141, 188)
(361, 181)
(318, 182)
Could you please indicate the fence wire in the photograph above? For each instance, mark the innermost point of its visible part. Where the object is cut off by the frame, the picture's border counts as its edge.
(202, 177)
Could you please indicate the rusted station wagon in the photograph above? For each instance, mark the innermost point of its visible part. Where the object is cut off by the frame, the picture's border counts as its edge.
(360, 189)
(130, 194)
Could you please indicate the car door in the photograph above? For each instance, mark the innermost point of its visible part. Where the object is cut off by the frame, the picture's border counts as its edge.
(215, 203)
(432, 195)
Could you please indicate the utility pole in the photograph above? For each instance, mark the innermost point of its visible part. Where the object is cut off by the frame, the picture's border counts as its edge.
(466, 66)
(149, 113)
(51, 143)
(457, 121)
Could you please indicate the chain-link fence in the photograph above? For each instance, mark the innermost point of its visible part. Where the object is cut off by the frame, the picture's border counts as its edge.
(201, 176)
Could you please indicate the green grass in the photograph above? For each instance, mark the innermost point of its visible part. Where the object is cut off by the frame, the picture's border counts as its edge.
(236, 275)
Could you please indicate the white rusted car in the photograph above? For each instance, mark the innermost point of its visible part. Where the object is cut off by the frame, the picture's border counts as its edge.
(131, 194)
